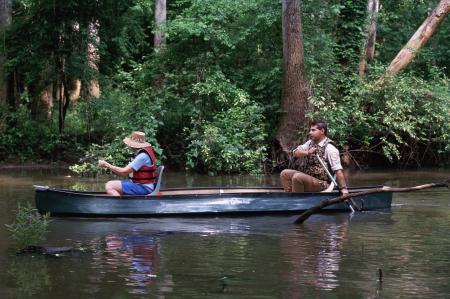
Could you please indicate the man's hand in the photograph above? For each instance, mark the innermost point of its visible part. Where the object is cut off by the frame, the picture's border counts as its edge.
(103, 163)
(344, 191)
(312, 151)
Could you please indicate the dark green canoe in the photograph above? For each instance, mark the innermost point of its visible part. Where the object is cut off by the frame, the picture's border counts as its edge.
(195, 202)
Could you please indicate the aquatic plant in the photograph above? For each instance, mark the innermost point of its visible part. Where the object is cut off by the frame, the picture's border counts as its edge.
(29, 227)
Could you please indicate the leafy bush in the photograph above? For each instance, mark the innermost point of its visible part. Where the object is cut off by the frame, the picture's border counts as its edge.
(233, 141)
(404, 118)
(29, 227)
(36, 138)
(115, 116)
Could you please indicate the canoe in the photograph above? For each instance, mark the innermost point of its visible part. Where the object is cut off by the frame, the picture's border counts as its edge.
(195, 202)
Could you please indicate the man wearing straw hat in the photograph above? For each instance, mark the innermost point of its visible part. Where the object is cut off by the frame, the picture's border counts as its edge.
(143, 169)
(320, 156)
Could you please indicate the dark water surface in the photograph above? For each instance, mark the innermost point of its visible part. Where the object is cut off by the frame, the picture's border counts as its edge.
(330, 256)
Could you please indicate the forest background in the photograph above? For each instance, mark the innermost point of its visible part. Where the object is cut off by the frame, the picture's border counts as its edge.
(204, 80)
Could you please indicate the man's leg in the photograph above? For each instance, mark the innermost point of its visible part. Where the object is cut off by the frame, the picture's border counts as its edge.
(302, 182)
(286, 179)
(114, 188)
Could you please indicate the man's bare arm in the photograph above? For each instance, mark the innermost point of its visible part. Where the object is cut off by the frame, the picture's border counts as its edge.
(123, 171)
(341, 181)
(298, 152)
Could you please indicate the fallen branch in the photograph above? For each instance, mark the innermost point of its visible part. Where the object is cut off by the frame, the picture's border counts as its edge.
(328, 202)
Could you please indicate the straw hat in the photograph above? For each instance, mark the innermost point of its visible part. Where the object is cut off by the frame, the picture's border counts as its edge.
(136, 140)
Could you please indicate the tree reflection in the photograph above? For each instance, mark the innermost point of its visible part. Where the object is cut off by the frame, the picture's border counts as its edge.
(314, 261)
(30, 274)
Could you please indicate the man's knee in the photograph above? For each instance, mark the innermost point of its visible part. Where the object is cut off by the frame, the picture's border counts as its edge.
(299, 177)
(109, 185)
(112, 185)
(288, 174)
(284, 174)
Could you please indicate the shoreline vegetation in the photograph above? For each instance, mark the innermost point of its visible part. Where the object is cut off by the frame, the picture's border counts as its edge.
(224, 86)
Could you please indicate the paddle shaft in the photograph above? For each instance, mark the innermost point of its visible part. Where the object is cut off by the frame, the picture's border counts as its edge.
(326, 169)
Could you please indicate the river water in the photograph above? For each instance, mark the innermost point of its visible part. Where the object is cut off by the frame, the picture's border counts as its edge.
(330, 256)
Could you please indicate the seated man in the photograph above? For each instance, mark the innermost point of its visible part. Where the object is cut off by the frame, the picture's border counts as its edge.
(313, 177)
(143, 169)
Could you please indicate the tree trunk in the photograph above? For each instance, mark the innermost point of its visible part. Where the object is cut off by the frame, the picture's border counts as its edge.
(5, 20)
(75, 92)
(63, 100)
(46, 99)
(371, 31)
(93, 58)
(294, 102)
(160, 19)
(61, 105)
(420, 38)
(159, 39)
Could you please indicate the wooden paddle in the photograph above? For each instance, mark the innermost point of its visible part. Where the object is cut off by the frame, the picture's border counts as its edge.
(305, 215)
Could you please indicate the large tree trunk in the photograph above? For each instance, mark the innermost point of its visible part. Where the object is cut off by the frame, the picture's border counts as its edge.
(61, 104)
(294, 102)
(371, 34)
(419, 39)
(160, 18)
(159, 40)
(46, 100)
(75, 92)
(5, 20)
(93, 59)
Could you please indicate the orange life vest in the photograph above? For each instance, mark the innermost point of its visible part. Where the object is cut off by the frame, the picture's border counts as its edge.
(146, 174)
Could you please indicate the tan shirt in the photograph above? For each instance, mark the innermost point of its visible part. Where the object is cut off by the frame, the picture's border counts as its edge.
(331, 152)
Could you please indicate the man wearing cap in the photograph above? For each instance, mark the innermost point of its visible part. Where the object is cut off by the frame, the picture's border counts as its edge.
(143, 169)
(314, 177)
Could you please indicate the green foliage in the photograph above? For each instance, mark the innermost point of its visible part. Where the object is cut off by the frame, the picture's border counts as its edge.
(401, 117)
(209, 99)
(233, 141)
(221, 56)
(398, 20)
(114, 117)
(29, 227)
(34, 138)
(56, 35)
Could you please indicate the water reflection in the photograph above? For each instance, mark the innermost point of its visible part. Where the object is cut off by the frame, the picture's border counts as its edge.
(138, 253)
(313, 254)
(30, 274)
(125, 259)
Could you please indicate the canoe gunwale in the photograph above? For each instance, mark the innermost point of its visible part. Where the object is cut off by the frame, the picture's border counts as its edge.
(191, 192)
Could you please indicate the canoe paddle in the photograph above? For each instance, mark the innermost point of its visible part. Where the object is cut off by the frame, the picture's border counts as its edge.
(326, 169)
(349, 201)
